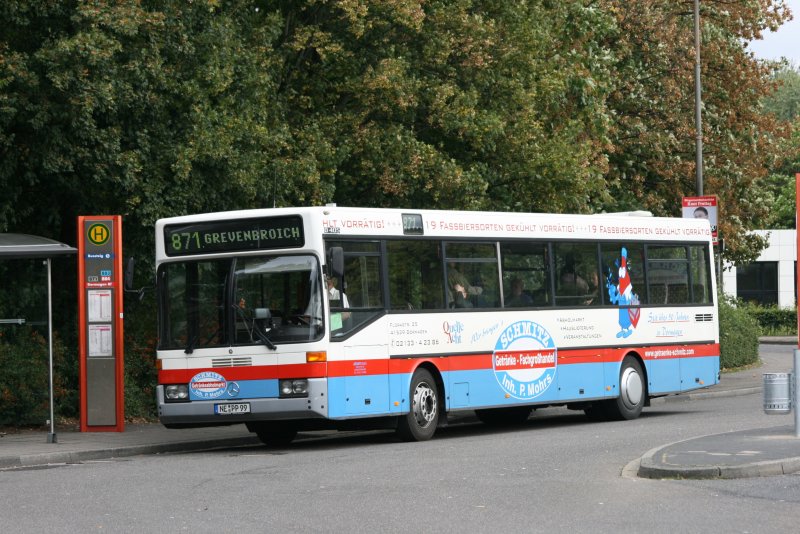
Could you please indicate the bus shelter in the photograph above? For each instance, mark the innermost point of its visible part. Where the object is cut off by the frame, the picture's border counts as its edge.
(23, 246)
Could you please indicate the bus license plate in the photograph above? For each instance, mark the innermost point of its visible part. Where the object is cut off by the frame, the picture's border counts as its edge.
(228, 409)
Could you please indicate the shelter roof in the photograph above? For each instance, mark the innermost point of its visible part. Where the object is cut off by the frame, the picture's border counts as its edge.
(15, 246)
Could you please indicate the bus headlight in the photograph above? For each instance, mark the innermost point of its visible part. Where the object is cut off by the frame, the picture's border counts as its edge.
(294, 387)
(176, 392)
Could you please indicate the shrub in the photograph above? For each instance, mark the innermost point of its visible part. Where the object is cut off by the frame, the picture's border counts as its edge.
(24, 388)
(738, 334)
(141, 376)
(774, 320)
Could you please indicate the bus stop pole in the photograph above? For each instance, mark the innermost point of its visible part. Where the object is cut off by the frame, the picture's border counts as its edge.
(796, 393)
(795, 388)
(51, 437)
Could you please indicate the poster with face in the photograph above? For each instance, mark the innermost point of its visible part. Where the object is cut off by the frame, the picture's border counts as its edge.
(704, 207)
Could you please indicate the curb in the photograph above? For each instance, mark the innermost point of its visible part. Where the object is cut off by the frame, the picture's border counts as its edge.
(648, 468)
(75, 457)
(778, 340)
(686, 397)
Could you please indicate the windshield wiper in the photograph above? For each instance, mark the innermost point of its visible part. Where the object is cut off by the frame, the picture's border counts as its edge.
(253, 327)
(192, 342)
(263, 337)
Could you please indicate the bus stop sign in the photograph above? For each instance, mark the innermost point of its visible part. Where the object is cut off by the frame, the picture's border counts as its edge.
(100, 323)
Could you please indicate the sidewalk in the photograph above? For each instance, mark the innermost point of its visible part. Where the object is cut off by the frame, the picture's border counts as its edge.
(31, 448)
(716, 456)
(749, 453)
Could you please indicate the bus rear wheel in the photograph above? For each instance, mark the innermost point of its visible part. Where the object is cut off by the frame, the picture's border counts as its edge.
(632, 392)
(419, 424)
(274, 434)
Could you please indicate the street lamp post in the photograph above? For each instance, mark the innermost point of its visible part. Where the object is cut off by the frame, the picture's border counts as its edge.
(698, 120)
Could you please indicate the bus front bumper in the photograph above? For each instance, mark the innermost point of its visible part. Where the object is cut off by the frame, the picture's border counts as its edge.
(206, 412)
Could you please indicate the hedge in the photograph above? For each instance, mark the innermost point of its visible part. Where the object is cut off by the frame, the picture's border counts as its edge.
(774, 320)
(738, 334)
(24, 390)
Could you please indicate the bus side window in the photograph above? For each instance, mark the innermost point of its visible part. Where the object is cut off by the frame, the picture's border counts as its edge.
(525, 264)
(577, 282)
(700, 273)
(668, 274)
(472, 277)
(415, 275)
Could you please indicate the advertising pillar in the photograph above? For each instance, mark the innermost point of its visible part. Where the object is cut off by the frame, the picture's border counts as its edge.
(100, 323)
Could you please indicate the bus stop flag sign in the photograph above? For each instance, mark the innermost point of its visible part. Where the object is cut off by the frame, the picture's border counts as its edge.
(100, 332)
(702, 208)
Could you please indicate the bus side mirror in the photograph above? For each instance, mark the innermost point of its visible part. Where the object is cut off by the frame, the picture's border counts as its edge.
(128, 280)
(336, 262)
(129, 268)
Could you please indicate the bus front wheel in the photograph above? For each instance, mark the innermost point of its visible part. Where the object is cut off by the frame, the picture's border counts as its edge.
(419, 424)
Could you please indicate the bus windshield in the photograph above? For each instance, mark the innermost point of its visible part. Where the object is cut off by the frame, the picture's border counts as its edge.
(252, 300)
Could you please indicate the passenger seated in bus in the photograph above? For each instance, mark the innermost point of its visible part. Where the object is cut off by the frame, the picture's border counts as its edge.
(518, 298)
(570, 279)
(593, 293)
(572, 288)
(573, 284)
(460, 288)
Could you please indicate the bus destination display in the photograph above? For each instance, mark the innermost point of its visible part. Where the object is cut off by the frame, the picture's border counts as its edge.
(233, 236)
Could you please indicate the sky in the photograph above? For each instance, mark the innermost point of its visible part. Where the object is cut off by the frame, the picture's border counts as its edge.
(783, 43)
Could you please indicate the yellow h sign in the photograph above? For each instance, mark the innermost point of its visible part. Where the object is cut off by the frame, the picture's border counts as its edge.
(98, 234)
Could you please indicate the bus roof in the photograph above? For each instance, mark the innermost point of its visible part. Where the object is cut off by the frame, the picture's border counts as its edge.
(387, 222)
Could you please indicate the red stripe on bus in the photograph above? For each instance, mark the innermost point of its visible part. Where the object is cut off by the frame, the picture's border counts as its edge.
(256, 372)
(466, 362)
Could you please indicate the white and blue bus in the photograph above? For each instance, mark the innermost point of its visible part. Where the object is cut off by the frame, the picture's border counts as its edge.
(294, 319)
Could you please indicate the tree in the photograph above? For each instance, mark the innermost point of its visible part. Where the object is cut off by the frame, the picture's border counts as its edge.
(780, 185)
(653, 160)
(163, 108)
(452, 104)
(784, 103)
(155, 108)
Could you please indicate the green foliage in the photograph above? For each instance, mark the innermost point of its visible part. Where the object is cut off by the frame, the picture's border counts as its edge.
(652, 164)
(165, 108)
(24, 388)
(161, 108)
(784, 103)
(780, 192)
(738, 334)
(779, 186)
(773, 320)
(141, 376)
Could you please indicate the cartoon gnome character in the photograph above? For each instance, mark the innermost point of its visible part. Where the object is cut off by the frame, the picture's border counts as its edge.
(623, 295)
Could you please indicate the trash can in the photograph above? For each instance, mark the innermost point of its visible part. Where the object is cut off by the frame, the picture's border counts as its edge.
(777, 393)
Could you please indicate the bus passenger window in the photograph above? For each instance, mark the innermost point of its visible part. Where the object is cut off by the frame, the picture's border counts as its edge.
(577, 281)
(668, 274)
(415, 275)
(472, 278)
(700, 274)
(526, 278)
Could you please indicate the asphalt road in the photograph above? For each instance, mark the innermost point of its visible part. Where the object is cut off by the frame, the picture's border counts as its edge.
(557, 473)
